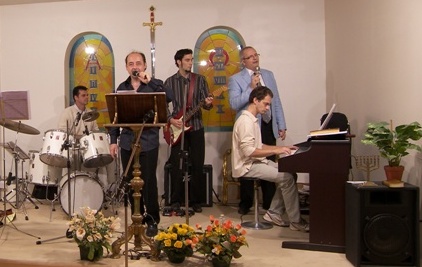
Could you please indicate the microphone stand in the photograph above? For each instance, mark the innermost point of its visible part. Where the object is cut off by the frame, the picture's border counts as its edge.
(184, 155)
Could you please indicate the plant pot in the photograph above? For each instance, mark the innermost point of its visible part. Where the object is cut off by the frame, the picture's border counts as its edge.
(224, 261)
(394, 172)
(84, 253)
(175, 256)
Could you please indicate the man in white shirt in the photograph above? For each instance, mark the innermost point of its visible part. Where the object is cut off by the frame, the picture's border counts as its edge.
(249, 160)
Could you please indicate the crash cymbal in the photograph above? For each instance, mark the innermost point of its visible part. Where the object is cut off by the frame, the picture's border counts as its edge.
(19, 127)
(91, 115)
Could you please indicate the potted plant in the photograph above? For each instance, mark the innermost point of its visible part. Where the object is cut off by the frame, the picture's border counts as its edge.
(177, 241)
(220, 241)
(92, 231)
(393, 144)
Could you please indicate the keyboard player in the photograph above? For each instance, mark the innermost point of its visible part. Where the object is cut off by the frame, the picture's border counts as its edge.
(249, 160)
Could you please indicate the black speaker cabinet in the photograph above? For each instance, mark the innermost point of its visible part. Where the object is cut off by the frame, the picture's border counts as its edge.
(206, 186)
(382, 225)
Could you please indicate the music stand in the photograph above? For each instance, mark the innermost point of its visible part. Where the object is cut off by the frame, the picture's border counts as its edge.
(14, 105)
(128, 110)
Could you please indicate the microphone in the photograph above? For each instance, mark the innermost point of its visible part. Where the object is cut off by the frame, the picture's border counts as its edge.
(86, 130)
(10, 178)
(258, 72)
(78, 118)
(136, 74)
(149, 115)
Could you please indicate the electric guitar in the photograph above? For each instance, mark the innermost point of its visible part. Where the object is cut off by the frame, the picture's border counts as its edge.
(172, 134)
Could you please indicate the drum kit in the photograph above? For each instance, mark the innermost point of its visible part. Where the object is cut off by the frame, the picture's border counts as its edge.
(79, 154)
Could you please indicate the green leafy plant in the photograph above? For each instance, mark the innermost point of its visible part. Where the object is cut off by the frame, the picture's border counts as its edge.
(393, 144)
(91, 229)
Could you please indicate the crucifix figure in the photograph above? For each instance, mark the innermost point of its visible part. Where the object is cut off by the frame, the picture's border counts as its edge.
(152, 24)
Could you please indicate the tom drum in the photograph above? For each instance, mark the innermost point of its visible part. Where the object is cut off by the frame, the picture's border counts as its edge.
(95, 149)
(52, 152)
(40, 173)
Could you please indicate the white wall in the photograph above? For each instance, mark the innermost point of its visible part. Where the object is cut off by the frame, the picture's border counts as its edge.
(374, 63)
(290, 35)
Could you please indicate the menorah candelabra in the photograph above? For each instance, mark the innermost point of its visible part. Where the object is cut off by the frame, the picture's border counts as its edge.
(367, 164)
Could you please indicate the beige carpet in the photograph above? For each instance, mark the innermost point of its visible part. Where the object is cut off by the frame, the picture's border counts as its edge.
(18, 246)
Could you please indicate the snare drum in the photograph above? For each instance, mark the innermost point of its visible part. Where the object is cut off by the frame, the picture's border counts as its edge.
(40, 173)
(84, 192)
(96, 150)
(52, 152)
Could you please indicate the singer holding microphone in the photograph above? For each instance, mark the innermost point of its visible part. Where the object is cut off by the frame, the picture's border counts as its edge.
(273, 124)
(140, 81)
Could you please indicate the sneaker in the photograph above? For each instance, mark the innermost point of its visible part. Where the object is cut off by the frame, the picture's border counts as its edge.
(302, 225)
(175, 206)
(197, 208)
(275, 219)
(243, 211)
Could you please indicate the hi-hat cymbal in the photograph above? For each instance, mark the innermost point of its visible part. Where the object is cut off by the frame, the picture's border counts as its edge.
(19, 127)
(91, 115)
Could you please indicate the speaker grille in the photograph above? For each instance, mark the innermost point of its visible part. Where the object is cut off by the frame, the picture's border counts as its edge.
(387, 237)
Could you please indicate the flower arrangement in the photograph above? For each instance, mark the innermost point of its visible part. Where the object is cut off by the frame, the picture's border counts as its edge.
(92, 230)
(221, 240)
(177, 240)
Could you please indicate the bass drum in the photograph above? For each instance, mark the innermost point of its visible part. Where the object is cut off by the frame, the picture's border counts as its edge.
(84, 192)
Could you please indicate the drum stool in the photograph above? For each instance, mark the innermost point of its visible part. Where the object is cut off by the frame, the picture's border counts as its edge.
(256, 224)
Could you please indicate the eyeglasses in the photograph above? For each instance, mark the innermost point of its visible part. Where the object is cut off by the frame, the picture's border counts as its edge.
(252, 56)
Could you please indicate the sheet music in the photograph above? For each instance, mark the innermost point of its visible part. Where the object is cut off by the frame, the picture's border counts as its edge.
(15, 105)
(327, 119)
(11, 148)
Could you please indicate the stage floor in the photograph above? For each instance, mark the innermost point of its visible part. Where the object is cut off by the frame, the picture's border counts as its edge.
(18, 242)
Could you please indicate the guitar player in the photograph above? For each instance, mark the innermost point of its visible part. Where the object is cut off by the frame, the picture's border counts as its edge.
(194, 142)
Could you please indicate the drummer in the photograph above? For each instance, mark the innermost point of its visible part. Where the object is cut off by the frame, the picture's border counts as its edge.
(82, 122)
(71, 116)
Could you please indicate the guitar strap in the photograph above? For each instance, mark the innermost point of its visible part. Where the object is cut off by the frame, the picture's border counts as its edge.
(191, 88)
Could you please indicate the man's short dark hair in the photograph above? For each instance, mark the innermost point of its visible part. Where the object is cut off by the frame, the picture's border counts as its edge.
(181, 53)
(77, 89)
(260, 93)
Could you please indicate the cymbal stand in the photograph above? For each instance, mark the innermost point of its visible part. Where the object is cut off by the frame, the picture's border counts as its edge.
(18, 191)
(21, 183)
(115, 193)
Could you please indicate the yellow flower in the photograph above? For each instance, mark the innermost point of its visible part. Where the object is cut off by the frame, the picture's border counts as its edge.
(167, 243)
(178, 244)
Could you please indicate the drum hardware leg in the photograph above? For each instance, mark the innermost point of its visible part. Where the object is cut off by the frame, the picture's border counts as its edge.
(53, 208)
(115, 194)
(18, 190)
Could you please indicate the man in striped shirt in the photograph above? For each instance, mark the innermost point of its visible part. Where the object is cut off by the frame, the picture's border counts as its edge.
(190, 90)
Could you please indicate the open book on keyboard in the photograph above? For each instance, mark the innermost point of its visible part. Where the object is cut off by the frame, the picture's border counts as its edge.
(326, 132)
